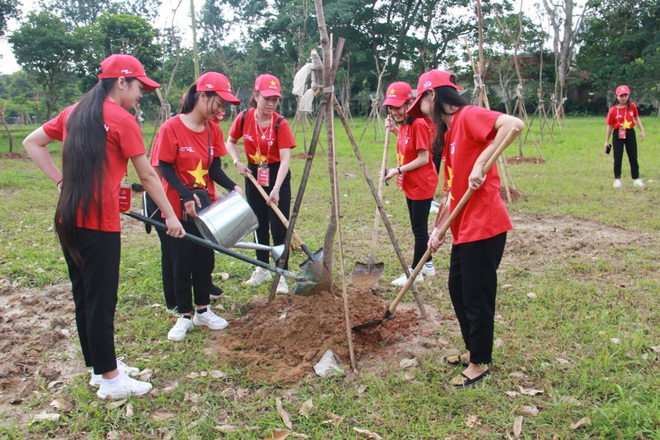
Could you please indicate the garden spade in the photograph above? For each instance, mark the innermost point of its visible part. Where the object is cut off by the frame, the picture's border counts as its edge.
(306, 281)
(313, 258)
(389, 313)
(366, 275)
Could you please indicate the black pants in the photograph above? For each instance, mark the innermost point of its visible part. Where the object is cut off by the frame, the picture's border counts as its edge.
(94, 286)
(473, 289)
(419, 221)
(630, 143)
(193, 265)
(167, 269)
(269, 222)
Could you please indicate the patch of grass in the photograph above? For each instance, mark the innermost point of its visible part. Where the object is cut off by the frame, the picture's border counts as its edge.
(587, 338)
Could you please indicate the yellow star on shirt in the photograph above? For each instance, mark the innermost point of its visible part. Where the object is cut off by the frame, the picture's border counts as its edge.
(449, 181)
(258, 158)
(399, 159)
(626, 124)
(199, 174)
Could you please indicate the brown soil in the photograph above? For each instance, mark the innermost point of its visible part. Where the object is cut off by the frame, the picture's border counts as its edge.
(280, 341)
(517, 159)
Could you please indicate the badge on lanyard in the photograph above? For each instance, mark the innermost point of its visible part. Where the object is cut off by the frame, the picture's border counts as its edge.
(399, 181)
(622, 133)
(263, 174)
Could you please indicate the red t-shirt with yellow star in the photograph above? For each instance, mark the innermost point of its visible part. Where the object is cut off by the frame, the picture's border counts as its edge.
(622, 117)
(484, 216)
(124, 141)
(262, 145)
(420, 183)
(188, 152)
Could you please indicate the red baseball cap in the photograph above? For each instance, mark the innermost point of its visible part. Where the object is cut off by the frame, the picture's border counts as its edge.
(218, 83)
(267, 85)
(622, 90)
(397, 94)
(128, 66)
(430, 80)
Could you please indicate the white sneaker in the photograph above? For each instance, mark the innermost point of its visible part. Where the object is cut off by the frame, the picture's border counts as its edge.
(209, 320)
(428, 270)
(617, 183)
(259, 276)
(403, 279)
(124, 387)
(95, 381)
(179, 330)
(282, 287)
(638, 183)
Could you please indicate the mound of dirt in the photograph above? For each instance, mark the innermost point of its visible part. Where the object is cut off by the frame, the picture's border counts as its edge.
(282, 340)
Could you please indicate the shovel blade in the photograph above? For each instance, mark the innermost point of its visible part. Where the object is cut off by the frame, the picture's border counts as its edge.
(374, 322)
(366, 275)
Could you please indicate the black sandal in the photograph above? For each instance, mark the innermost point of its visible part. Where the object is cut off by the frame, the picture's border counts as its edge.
(462, 381)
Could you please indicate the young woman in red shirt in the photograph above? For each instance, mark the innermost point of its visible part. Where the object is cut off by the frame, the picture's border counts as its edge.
(268, 141)
(621, 120)
(468, 135)
(188, 149)
(415, 172)
(99, 137)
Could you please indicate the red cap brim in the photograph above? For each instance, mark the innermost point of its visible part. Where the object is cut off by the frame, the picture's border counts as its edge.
(395, 102)
(415, 111)
(149, 84)
(229, 97)
(268, 93)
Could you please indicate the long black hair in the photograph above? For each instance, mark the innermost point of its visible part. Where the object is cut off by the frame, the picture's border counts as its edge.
(84, 157)
(444, 95)
(191, 98)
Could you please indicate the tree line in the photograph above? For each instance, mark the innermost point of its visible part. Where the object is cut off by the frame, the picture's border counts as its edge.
(562, 52)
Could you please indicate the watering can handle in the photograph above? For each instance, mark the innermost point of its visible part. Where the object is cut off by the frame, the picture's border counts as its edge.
(218, 248)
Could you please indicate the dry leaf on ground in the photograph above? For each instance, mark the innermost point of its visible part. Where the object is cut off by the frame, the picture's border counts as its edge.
(584, 421)
(280, 434)
(369, 434)
(530, 391)
(470, 420)
(528, 411)
(304, 409)
(286, 419)
(517, 426)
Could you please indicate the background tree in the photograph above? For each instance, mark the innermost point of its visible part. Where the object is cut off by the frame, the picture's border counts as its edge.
(43, 46)
(8, 10)
(85, 12)
(621, 44)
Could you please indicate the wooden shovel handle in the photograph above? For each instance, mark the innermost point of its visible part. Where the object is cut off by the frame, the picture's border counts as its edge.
(461, 204)
(383, 165)
(281, 216)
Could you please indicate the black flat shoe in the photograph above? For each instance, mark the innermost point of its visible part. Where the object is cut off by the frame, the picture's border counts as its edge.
(462, 381)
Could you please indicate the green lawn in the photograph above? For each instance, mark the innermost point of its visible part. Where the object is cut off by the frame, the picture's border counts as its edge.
(588, 339)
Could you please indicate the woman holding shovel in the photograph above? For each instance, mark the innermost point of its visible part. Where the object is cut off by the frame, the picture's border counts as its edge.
(99, 137)
(188, 149)
(415, 173)
(268, 142)
(468, 135)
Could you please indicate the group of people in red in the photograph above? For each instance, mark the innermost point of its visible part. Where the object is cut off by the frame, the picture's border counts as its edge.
(100, 136)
